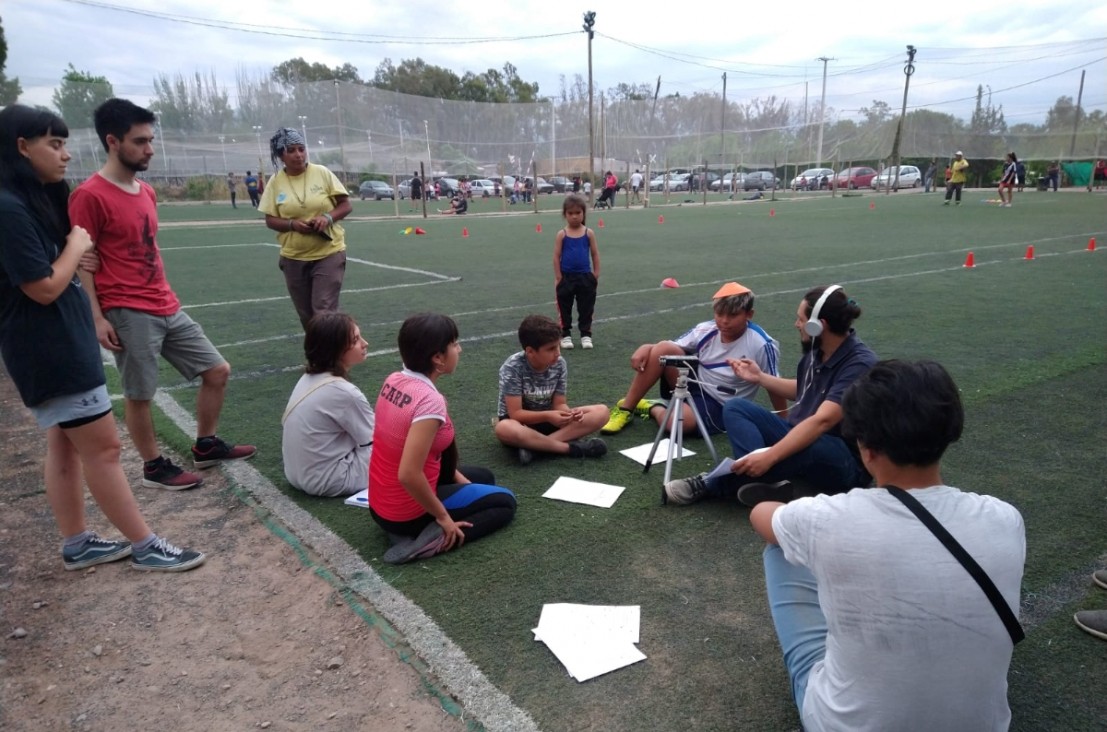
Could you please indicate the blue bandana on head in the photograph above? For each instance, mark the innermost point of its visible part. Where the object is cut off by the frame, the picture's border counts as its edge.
(280, 141)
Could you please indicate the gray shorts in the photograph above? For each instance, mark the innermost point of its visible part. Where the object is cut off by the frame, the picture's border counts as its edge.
(143, 336)
(71, 407)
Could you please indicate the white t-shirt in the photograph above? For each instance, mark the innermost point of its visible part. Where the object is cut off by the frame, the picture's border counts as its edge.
(913, 642)
(755, 344)
(636, 179)
(328, 437)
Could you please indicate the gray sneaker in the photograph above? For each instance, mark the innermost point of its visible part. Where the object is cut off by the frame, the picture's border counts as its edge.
(590, 447)
(525, 456)
(162, 556)
(686, 490)
(94, 550)
(429, 542)
(1100, 578)
(1092, 621)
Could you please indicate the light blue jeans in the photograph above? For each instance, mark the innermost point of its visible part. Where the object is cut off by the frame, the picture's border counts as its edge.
(800, 624)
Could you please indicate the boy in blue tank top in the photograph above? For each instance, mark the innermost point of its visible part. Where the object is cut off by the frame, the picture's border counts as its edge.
(576, 263)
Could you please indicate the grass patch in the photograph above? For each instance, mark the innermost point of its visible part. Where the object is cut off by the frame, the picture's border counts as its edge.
(1022, 338)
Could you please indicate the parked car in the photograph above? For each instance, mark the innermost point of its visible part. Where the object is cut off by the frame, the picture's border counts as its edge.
(854, 178)
(447, 187)
(759, 180)
(403, 190)
(811, 179)
(504, 185)
(541, 185)
(375, 189)
(728, 181)
(909, 177)
(561, 184)
(483, 188)
(695, 179)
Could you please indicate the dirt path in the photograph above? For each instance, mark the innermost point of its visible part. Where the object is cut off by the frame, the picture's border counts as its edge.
(254, 639)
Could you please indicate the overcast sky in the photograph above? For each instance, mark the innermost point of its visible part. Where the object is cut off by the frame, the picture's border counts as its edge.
(1028, 53)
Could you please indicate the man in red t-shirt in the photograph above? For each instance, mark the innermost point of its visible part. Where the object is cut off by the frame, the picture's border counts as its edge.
(138, 317)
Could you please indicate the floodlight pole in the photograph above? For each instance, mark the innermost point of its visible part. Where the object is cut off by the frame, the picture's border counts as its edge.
(907, 71)
(589, 22)
(303, 130)
(223, 149)
(822, 115)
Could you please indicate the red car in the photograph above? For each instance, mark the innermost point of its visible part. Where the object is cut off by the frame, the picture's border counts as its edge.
(854, 178)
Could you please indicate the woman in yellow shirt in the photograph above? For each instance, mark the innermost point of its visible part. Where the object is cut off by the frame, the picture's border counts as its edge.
(303, 203)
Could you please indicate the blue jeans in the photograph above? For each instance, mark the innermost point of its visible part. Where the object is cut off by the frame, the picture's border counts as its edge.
(800, 624)
(826, 464)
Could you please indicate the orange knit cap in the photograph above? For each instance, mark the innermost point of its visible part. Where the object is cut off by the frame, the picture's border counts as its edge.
(730, 288)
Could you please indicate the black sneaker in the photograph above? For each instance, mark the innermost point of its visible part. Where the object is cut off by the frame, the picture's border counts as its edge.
(162, 556)
(525, 456)
(591, 447)
(94, 550)
(168, 476)
(752, 494)
(216, 451)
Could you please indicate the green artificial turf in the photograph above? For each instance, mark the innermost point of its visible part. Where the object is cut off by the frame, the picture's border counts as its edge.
(1023, 339)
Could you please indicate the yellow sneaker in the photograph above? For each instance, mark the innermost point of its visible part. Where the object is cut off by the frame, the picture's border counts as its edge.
(643, 407)
(618, 420)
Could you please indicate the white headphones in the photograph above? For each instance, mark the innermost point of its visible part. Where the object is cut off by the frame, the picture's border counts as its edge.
(813, 327)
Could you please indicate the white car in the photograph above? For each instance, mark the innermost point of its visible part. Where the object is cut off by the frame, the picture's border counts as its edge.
(909, 177)
(811, 179)
(482, 188)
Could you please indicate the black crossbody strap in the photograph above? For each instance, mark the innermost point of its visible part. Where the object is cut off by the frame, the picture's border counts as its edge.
(962, 556)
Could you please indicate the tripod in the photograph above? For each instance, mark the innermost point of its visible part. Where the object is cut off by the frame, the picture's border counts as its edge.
(676, 428)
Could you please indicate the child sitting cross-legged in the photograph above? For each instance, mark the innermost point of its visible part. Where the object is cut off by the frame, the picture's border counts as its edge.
(534, 415)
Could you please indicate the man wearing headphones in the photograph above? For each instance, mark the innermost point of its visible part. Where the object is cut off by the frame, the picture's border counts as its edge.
(808, 447)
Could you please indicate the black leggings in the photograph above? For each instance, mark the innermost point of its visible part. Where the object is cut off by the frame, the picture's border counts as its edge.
(481, 502)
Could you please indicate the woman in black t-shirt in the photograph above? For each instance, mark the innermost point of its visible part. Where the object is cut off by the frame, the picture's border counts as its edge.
(48, 343)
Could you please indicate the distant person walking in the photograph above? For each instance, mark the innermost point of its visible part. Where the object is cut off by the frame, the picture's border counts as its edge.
(931, 172)
(1008, 181)
(232, 186)
(1053, 175)
(48, 343)
(956, 177)
(303, 203)
(635, 185)
(416, 191)
(252, 188)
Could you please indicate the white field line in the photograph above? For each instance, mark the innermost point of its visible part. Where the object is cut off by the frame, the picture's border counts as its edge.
(623, 293)
(257, 374)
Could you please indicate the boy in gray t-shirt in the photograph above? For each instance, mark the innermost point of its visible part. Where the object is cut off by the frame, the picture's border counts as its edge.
(534, 415)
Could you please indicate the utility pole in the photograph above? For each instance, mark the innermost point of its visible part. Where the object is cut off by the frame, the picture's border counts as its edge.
(589, 22)
(338, 117)
(722, 125)
(822, 111)
(907, 71)
(1076, 116)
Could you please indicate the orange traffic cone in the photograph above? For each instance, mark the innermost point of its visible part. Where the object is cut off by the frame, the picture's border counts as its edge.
(872, 205)
(464, 232)
(419, 231)
(661, 220)
(970, 261)
(599, 224)
(538, 228)
(772, 212)
(1091, 244)
(1029, 252)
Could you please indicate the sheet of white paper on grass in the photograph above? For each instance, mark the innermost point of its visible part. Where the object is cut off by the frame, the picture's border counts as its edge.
(583, 491)
(591, 640)
(359, 499)
(641, 453)
(590, 656)
(613, 621)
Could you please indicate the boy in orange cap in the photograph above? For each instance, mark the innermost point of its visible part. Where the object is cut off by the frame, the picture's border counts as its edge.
(730, 336)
